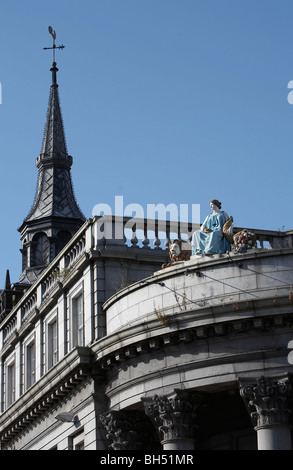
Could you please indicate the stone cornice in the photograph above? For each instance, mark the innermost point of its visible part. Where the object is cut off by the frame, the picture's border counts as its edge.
(114, 349)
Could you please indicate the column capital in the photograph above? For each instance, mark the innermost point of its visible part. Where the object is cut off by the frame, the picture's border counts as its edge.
(174, 415)
(126, 430)
(267, 400)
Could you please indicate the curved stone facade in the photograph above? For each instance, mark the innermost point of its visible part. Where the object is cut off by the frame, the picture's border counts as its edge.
(198, 286)
(208, 325)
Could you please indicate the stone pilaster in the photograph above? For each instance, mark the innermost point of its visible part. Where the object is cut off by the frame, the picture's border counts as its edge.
(175, 417)
(268, 402)
(126, 430)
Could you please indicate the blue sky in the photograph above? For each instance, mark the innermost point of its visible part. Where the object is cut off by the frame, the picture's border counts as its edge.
(163, 101)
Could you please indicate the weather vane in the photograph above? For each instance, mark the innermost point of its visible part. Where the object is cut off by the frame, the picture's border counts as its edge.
(53, 34)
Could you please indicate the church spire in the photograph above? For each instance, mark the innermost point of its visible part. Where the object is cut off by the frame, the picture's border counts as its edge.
(55, 215)
(54, 144)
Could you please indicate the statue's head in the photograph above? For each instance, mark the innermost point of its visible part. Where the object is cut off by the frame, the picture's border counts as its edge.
(216, 203)
(175, 248)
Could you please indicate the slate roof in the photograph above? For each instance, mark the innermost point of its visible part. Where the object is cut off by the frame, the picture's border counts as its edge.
(55, 195)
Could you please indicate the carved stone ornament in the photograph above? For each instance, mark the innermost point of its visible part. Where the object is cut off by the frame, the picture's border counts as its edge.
(243, 241)
(125, 430)
(268, 401)
(174, 415)
(179, 250)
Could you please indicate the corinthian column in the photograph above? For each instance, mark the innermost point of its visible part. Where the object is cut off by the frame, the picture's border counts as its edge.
(267, 401)
(175, 418)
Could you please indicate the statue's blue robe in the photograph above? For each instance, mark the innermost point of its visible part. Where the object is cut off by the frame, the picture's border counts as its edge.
(212, 242)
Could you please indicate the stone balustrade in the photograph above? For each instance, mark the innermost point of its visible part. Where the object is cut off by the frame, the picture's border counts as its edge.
(116, 233)
(146, 233)
(9, 329)
(28, 306)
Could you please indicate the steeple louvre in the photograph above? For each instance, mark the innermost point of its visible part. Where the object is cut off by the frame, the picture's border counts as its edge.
(55, 215)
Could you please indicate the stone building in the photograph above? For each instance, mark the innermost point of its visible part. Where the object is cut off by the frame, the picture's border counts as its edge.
(102, 348)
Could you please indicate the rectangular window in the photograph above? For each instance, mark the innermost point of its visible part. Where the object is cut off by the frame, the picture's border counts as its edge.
(30, 365)
(52, 343)
(77, 321)
(10, 374)
(76, 442)
(79, 446)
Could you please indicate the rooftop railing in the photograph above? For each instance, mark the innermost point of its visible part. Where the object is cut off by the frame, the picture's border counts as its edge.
(115, 233)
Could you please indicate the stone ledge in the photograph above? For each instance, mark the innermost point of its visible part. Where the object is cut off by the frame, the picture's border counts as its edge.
(109, 356)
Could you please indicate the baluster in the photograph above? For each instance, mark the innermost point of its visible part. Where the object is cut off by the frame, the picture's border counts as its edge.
(145, 240)
(134, 239)
(189, 233)
(157, 241)
(167, 241)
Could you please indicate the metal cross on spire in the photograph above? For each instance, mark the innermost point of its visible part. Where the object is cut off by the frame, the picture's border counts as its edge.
(53, 34)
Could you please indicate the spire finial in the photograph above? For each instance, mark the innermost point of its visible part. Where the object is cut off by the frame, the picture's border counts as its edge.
(53, 34)
(7, 280)
(54, 47)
